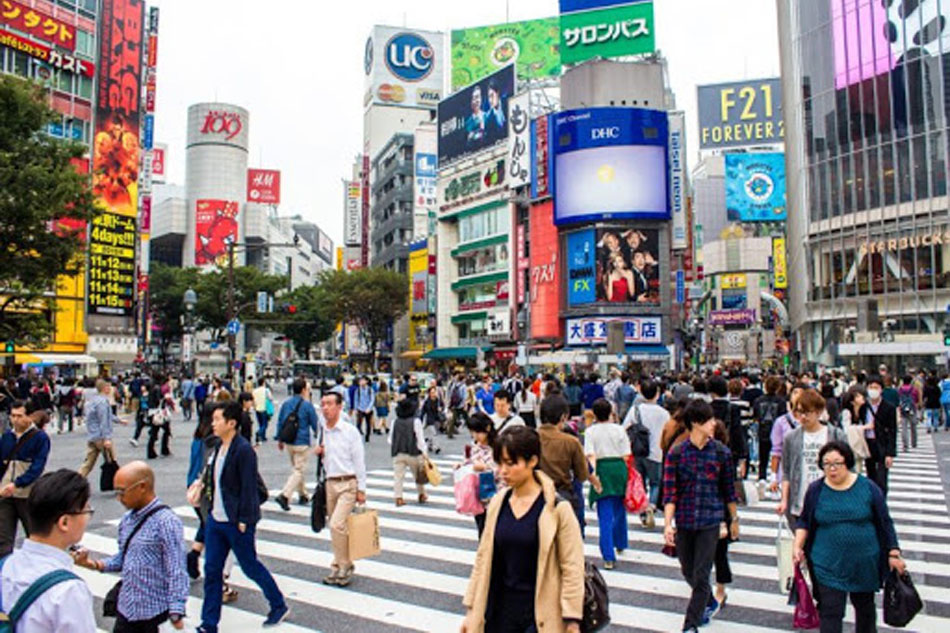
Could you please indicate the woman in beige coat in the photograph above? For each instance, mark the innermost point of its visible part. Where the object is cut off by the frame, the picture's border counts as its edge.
(536, 544)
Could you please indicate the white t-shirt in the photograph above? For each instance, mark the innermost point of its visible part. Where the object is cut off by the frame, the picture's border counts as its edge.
(515, 420)
(654, 417)
(529, 402)
(606, 439)
(217, 505)
(811, 445)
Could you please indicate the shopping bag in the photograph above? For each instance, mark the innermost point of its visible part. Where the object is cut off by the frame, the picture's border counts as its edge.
(751, 493)
(466, 492)
(635, 500)
(107, 477)
(783, 554)
(858, 443)
(486, 485)
(901, 600)
(806, 614)
(363, 533)
(433, 474)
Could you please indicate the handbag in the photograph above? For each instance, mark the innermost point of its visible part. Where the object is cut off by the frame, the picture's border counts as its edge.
(110, 604)
(806, 615)
(466, 492)
(433, 474)
(635, 500)
(783, 554)
(596, 614)
(363, 533)
(420, 470)
(858, 443)
(107, 477)
(901, 600)
(318, 502)
(486, 485)
(195, 491)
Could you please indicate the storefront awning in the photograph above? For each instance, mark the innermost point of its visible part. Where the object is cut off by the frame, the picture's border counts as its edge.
(411, 354)
(447, 353)
(55, 359)
(638, 353)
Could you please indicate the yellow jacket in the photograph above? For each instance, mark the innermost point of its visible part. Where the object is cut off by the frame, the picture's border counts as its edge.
(559, 592)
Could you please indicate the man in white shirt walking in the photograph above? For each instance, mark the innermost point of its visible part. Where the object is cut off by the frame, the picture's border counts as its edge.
(503, 417)
(345, 464)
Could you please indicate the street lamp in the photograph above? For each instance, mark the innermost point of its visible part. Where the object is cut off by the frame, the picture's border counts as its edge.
(190, 300)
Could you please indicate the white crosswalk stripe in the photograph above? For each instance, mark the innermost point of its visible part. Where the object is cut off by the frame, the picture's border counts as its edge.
(418, 580)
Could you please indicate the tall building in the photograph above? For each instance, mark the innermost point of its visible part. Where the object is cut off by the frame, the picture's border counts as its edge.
(391, 218)
(866, 133)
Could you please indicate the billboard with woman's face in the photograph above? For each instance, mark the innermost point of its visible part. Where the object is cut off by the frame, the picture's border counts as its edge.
(624, 267)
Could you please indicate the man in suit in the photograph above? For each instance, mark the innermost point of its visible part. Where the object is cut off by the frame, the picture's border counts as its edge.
(234, 509)
(882, 439)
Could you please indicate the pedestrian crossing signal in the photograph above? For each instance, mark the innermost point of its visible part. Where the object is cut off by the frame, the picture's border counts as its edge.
(10, 347)
(946, 334)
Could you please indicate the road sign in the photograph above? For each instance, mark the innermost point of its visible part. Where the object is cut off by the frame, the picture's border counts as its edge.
(680, 286)
(262, 302)
(234, 326)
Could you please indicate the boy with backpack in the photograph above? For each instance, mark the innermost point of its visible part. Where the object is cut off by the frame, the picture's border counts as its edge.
(644, 425)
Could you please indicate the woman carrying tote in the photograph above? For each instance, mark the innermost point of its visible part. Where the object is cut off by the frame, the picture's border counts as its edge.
(529, 570)
(847, 534)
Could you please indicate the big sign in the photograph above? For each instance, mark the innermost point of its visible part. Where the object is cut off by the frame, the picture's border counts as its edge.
(741, 113)
(26, 19)
(263, 186)
(610, 32)
(404, 67)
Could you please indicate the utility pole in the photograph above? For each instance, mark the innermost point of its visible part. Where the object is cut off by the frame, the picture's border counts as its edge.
(232, 341)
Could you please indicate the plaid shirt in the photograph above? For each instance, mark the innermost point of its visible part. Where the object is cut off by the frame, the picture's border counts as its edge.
(700, 482)
(153, 573)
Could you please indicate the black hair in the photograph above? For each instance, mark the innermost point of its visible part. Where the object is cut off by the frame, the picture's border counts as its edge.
(245, 396)
(553, 408)
(697, 412)
(335, 394)
(231, 410)
(503, 394)
(405, 408)
(519, 442)
(203, 428)
(18, 404)
(481, 423)
(54, 494)
(602, 409)
(299, 385)
(839, 447)
(876, 379)
(718, 386)
(699, 385)
(648, 389)
(907, 379)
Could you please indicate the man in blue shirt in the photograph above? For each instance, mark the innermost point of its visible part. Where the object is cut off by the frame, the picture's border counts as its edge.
(299, 449)
(99, 420)
(485, 396)
(363, 401)
(187, 396)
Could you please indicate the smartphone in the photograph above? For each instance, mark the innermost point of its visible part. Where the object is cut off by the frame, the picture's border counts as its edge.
(468, 451)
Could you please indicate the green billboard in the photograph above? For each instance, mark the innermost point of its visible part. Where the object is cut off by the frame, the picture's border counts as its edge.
(481, 51)
(611, 32)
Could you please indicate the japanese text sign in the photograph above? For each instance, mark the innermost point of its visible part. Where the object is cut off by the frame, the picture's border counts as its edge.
(38, 24)
(589, 331)
(610, 32)
(54, 58)
(112, 265)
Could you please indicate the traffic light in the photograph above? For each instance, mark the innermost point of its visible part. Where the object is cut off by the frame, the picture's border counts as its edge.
(288, 308)
(10, 347)
(946, 334)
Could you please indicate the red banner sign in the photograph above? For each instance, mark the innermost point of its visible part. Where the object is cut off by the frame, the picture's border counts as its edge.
(216, 227)
(38, 24)
(544, 284)
(158, 164)
(46, 54)
(263, 186)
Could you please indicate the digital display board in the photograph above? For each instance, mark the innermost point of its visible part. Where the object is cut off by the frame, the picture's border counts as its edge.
(112, 265)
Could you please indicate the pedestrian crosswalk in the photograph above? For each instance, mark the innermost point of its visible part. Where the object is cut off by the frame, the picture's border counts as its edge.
(417, 582)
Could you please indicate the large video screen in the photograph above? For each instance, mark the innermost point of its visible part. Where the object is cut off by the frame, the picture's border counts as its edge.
(475, 117)
(614, 265)
(755, 187)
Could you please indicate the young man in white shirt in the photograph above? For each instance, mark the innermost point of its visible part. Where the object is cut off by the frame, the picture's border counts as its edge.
(503, 417)
(345, 464)
(59, 512)
(654, 417)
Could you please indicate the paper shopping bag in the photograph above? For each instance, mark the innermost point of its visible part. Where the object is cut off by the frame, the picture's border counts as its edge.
(783, 553)
(363, 528)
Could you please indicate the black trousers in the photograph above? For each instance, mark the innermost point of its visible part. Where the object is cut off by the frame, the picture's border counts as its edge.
(765, 447)
(831, 609)
(877, 473)
(514, 613)
(153, 430)
(12, 511)
(480, 523)
(696, 550)
(140, 419)
(723, 571)
(122, 625)
(365, 417)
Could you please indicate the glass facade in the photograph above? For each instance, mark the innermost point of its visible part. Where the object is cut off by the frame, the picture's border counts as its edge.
(872, 94)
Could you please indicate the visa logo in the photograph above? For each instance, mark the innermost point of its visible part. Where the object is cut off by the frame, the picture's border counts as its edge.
(601, 133)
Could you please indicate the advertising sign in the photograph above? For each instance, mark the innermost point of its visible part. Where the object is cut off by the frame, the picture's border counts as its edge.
(862, 47)
(610, 163)
(471, 185)
(779, 263)
(325, 247)
(740, 113)
(581, 268)
(568, 6)
(51, 56)
(590, 331)
(112, 265)
(404, 68)
(678, 178)
(531, 45)
(145, 216)
(216, 226)
(418, 291)
(519, 164)
(540, 158)
(680, 287)
(755, 187)
(732, 280)
(544, 280)
(731, 317)
(158, 163)
(475, 117)
(353, 214)
(425, 175)
(148, 134)
(218, 124)
(628, 268)
(610, 32)
(263, 186)
(34, 22)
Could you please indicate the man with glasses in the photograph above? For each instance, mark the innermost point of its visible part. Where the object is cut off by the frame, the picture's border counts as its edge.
(24, 450)
(59, 512)
(151, 556)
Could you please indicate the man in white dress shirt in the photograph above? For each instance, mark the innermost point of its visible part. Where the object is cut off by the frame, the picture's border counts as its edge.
(345, 465)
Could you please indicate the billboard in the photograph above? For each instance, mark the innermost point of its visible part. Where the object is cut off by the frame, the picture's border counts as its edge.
(569, 6)
(733, 281)
(614, 31)
(403, 67)
(531, 45)
(610, 163)
(159, 152)
(540, 157)
(544, 280)
(589, 331)
(862, 48)
(39, 25)
(755, 187)
(216, 226)
(48, 55)
(425, 176)
(418, 292)
(112, 265)
(614, 265)
(484, 180)
(218, 124)
(678, 193)
(263, 186)
(519, 163)
(581, 268)
(353, 213)
(475, 117)
(731, 317)
(779, 263)
(740, 113)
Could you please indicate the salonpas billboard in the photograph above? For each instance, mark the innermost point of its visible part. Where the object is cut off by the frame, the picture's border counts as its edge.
(532, 45)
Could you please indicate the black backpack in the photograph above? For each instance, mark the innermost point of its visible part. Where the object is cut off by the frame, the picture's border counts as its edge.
(768, 410)
(639, 436)
(288, 432)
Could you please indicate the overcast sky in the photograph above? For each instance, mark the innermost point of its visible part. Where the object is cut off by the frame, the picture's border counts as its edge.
(296, 65)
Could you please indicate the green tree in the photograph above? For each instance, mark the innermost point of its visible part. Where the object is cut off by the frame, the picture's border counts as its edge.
(167, 286)
(212, 289)
(370, 298)
(39, 191)
(313, 323)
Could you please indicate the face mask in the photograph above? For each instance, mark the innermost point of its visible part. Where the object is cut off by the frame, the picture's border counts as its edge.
(874, 394)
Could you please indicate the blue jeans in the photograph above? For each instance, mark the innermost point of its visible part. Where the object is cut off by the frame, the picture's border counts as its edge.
(652, 473)
(613, 526)
(262, 420)
(946, 416)
(220, 539)
(933, 419)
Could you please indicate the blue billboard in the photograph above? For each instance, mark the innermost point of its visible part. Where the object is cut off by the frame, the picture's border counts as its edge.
(475, 117)
(581, 268)
(610, 164)
(755, 187)
(569, 6)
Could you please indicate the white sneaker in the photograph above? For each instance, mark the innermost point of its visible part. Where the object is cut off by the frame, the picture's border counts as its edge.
(133, 442)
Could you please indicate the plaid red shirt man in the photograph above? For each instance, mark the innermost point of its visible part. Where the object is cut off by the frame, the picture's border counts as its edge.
(700, 482)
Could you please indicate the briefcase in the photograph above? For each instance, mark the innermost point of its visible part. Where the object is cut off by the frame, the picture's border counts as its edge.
(363, 528)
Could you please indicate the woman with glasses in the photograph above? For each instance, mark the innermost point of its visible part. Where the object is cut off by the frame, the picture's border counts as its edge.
(846, 533)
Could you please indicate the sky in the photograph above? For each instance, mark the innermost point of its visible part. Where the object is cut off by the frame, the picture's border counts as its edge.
(296, 65)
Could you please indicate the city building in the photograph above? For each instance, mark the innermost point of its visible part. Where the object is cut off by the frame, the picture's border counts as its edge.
(869, 232)
(392, 220)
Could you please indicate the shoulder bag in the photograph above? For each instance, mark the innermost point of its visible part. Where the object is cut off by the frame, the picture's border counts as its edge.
(288, 432)
(16, 449)
(318, 502)
(110, 604)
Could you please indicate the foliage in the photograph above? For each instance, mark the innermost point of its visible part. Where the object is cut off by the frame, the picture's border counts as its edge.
(212, 289)
(39, 189)
(313, 323)
(167, 286)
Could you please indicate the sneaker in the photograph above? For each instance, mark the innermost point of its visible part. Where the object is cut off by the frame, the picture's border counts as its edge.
(192, 564)
(282, 502)
(133, 442)
(276, 616)
(712, 608)
(304, 500)
(608, 564)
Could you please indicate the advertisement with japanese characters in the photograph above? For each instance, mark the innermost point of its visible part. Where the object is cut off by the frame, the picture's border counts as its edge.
(418, 292)
(216, 227)
(581, 268)
(610, 32)
(755, 187)
(263, 186)
(740, 113)
(404, 68)
(425, 173)
(540, 158)
(545, 273)
(44, 27)
(591, 331)
(614, 265)
(531, 45)
(475, 117)
(112, 265)
(519, 162)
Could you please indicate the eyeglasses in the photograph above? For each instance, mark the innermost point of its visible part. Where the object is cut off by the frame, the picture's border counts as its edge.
(89, 511)
(833, 465)
(121, 491)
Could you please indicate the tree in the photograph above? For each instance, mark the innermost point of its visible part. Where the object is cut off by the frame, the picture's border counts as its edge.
(212, 288)
(167, 286)
(370, 298)
(45, 204)
(313, 322)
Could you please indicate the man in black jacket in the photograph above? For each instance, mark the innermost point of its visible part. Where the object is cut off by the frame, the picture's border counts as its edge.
(882, 439)
(24, 450)
(233, 512)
